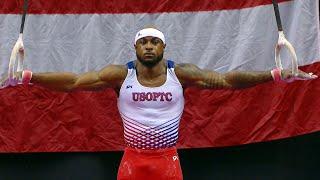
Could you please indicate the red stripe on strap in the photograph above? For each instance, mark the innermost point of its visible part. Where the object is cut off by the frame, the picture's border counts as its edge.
(125, 6)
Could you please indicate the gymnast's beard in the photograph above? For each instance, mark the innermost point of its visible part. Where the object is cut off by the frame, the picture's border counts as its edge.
(151, 63)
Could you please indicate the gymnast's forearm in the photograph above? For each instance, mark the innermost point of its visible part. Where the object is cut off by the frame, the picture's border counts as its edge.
(245, 79)
(65, 81)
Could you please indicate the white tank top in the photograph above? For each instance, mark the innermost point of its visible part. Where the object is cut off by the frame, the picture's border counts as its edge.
(151, 115)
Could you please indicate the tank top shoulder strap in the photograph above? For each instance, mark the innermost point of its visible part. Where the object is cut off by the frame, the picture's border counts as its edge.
(172, 74)
(131, 69)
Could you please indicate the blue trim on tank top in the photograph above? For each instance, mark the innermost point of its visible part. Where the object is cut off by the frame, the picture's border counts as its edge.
(170, 64)
(130, 65)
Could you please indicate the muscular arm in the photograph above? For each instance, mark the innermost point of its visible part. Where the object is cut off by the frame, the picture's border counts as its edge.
(191, 75)
(110, 76)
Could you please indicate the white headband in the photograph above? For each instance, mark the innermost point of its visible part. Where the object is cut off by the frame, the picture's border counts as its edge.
(149, 32)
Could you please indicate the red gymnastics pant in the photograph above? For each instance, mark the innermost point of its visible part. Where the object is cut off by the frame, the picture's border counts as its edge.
(139, 164)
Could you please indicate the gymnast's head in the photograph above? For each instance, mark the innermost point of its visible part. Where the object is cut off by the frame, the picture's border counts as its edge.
(149, 44)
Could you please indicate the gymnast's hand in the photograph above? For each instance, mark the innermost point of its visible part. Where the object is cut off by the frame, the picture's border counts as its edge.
(5, 81)
(288, 76)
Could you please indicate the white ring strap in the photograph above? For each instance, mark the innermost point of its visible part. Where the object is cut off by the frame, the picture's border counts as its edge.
(282, 41)
(15, 59)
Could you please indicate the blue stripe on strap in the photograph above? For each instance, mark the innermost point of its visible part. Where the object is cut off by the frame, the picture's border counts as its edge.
(170, 64)
(130, 65)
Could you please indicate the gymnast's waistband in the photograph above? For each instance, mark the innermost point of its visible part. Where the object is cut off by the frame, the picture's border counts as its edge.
(163, 151)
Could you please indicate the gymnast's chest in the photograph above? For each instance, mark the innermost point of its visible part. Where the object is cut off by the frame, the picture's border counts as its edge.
(145, 97)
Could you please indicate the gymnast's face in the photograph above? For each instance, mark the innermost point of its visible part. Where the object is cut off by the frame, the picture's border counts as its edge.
(149, 50)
